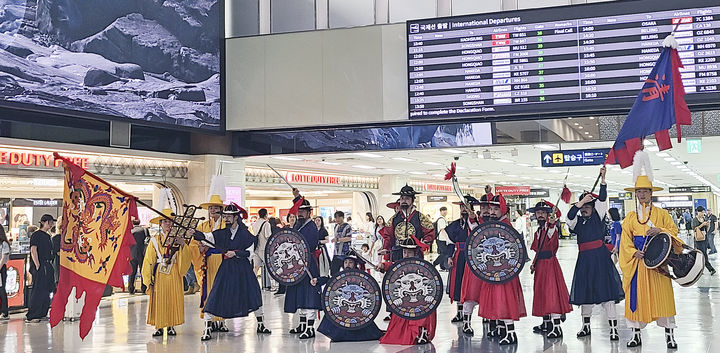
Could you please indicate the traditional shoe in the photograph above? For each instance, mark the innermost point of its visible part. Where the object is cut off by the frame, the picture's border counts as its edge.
(309, 330)
(486, 321)
(300, 328)
(636, 340)
(509, 336)
(585, 327)
(555, 329)
(262, 329)
(467, 329)
(221, 327)
(215, 326)
(494, 329)
(158, 333)
(207, 333)
(422, 338)
(171, 331)
(458, 317)
(544, 327)
(387, 318)
(670, 338)
(613, 330)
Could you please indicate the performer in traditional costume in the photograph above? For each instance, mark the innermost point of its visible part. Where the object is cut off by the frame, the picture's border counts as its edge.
(162, 273)
(651, 296)
(596, 280)
(502, 303)
(551, 299)
(210, 258)
(236, 291)
(337, 334)
(458, 232)
(408, 332)
(303, 298)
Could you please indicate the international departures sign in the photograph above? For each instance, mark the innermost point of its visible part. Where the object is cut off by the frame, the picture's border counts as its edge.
(573, 158)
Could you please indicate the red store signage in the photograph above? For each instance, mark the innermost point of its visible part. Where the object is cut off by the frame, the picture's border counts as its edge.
(32, 159)
(513, 190)
(437, 187)
(314, 178)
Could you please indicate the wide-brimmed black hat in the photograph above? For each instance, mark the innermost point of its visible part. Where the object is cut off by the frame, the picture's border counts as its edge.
(407, 190)
(470, 200)
(305, 205)
(234, 209)
(541, 206)
(408, 243)
(591, 203)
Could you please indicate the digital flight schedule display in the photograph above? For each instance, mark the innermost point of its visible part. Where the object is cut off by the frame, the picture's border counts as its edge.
(558, 61)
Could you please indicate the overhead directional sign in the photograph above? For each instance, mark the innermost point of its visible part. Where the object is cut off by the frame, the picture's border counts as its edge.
(690, 189)
(570, 158)
(694, 145)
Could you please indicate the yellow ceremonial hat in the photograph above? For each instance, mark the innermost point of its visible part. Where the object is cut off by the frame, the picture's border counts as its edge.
(216, 196)
(166, 211)
(214, 200)
(643, 182)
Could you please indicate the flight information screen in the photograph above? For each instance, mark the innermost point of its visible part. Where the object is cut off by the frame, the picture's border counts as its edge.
(558, 61)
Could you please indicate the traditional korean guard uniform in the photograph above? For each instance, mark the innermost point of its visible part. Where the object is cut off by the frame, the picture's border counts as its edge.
(163, 273)
(235, 291)
(211, 258)
(458, 232)
(337, 334)
(550, 294)
(596, 280)
(650, 293)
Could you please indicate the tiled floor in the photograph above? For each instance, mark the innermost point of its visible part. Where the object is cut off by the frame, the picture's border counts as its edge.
(120, 327)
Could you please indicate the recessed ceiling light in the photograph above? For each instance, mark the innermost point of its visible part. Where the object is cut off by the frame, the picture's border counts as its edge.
(452, 150)
(417, 173)
(330, 163)
(592, 118)
(524, 165)
(669, 159)
(368, 154)
(587, 132)
(590, 136)
(477, 171)
(580, 127)
(432, 163)
(544, 147)
(459, 167)
(362, 166)
(504, 160)
(402, 159)
(662, 154)
(576, 124)
(286, 158)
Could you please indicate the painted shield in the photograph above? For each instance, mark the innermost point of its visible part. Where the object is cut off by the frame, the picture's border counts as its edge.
(286, 256)
(495, 252)
(351, 299)
(412, 288)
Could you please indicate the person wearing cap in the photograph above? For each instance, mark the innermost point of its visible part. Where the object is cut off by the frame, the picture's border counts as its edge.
(206, 260)
(501, 303)
(700, 225)
(303, 298)
(650, 293)
(43, 278)
(410, 332)
(457, 232)
(162, 274)
(337, 334)
(235, 291)
(596, 280)
(550, 294)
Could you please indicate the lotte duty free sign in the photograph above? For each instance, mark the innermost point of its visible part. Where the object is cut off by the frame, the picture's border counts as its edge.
(573, 158)
(513, 190)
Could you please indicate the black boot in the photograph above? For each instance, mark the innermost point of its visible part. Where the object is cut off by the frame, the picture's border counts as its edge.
(459, 316)
(486, 321)
(467, 329)
(215, 326)
(493, 329)
(585, 327)
(300, 328)
(636, 340)
(555, 329)
(509, 336)
(158, 333)
(670, 338)
(309, 330)
(261, 327)
(422, 337)
(544, 327)
(221, 327)
(613, 330)
(207, 333)
(171, 331)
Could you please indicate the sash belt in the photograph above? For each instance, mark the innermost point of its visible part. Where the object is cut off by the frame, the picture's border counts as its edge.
(591, 245)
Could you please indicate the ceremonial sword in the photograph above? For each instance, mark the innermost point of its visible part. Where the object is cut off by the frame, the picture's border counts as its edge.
(281, 177)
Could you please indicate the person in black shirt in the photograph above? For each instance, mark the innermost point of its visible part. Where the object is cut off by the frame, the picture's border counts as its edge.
(712, 229)
(41, 256)
(140, 234)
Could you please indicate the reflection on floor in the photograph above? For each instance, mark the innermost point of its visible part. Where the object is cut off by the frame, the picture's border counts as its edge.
(120, 327)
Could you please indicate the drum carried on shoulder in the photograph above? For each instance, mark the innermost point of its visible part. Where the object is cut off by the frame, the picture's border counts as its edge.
(684, 268)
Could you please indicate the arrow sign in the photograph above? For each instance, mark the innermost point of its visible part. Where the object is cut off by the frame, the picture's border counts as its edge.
(547, 158)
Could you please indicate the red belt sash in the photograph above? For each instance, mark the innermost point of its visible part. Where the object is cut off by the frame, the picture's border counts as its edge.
(591, 245)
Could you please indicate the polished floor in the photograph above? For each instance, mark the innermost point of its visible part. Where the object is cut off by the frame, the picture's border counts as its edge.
(120, 327)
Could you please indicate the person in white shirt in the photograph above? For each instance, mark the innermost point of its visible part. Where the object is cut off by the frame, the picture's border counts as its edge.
(441, 239)
(4, 258)
(262, 230)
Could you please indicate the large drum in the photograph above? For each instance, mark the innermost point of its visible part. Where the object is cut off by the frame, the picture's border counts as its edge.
(495, 252)
(287, 256)
(351, 299)
(685, 268)
(412, 288)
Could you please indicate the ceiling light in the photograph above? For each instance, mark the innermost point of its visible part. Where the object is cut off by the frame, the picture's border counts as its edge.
(576, 124)
(460, 167)
(402, 159)
(580, 127)
(330, 163)
(524, 165)
(592, 118)
(504, 160)
(587, 132)
(452, 150)
(391, 170)
(432, 163)
(669, 159)
(590, 136)
(476, 170)
(496, 173)
(439, 175)
(286, 158)
(417, 173)
(367, 154)
(662, 154)
(544, 147)
(653, 149)
(362, 166)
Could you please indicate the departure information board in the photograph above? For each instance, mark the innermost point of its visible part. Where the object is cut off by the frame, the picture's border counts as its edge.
(558, 61)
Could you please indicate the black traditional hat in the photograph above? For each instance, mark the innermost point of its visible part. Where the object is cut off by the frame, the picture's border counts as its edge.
(234, 209)
(541, 206)
(407, 190)
(591, 203)
(486, 199)
(305, 205)
(470, 200)
(408, 243)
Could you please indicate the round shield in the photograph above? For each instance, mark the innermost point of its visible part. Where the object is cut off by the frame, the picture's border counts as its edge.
(657, 250)
(412, 288)
(495, 252)
(286, 256)
(351, 299)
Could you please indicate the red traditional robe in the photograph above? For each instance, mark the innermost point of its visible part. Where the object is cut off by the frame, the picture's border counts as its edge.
(550, 291)
(403, 331)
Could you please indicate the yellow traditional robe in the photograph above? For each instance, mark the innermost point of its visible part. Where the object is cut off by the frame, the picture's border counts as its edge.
(213, 261)
(655, 297)
(166, 306)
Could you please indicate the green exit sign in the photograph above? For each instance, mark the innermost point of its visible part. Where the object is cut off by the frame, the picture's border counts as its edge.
(694, 145)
